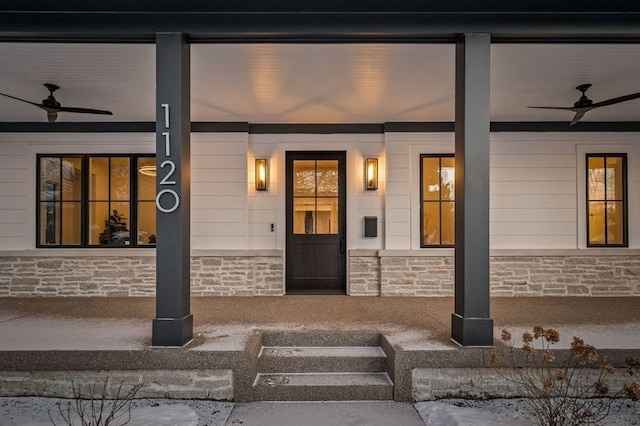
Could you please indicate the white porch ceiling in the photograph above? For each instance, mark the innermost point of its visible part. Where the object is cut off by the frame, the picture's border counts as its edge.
(318, 83)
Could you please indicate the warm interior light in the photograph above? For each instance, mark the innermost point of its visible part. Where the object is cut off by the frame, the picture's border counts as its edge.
(261, 174)
(147, 170)
(371, 174)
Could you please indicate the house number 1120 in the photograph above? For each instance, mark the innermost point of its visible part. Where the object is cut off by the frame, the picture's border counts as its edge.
(166, 180)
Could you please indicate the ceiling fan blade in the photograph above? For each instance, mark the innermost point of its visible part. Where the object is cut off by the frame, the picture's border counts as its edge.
(24, 100)
(577, 117)
(562, 108)
(616, 100)
(84, 110)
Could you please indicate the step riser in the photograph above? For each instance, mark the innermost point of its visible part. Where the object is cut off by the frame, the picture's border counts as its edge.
(323, 393)
(321, 339)
(321, 365)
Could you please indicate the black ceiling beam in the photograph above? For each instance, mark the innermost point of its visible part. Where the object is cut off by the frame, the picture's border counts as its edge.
(336, 21)
(321, 128)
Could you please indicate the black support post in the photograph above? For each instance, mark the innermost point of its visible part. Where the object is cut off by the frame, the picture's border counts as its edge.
(173, 325)
(471, 324)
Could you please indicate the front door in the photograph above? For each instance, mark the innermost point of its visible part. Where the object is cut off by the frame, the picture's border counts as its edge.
(316, 222)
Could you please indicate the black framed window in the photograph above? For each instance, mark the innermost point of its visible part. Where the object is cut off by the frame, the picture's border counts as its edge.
(607, 223)
(437, 200)
(96, 200)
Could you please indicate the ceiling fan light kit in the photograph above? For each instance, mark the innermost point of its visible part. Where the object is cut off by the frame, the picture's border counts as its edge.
(52, 107)
(584, 104)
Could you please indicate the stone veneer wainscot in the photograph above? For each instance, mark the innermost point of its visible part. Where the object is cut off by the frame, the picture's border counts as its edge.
(411, 273)
(430, 272)
(132, 272)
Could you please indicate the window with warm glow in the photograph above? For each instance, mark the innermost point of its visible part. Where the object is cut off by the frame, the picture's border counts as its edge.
(96, 200)
(606, 200)
(315, 197)
(437, 206)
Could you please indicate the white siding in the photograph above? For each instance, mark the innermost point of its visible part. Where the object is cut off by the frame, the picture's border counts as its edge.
(538, 187)
(403, 192)
(268, 207)
(18, 173)
(219, 190)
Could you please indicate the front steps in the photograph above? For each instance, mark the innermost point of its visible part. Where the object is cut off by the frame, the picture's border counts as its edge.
(322, 366)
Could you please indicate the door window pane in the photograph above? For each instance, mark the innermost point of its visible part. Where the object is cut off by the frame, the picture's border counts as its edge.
(304, 178)
(327, 178)
(315, 196)
(304, 209)
(327, 216)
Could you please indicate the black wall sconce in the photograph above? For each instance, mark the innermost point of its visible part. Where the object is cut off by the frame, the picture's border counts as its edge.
(371, 174)
(262, 174)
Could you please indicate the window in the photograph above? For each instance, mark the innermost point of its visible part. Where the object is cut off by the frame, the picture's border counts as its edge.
(437, 203)
(96, 200)
(315, 196)
(606, 200)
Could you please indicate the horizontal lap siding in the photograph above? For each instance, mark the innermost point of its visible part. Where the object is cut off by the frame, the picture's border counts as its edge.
(18, 173)
(262, 208)
(533, 191)
(14, 200)
(219, 190)
(368, 203)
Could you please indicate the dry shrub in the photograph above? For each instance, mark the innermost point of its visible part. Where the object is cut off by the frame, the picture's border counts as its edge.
(92, 406)
(562, 391)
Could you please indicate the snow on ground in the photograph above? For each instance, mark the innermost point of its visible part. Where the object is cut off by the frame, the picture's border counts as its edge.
(601, 336)
(55, 333)
(32, 411)
(512, 412)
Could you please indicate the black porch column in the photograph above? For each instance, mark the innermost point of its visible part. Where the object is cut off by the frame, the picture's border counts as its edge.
(173, 325)
(471, 324)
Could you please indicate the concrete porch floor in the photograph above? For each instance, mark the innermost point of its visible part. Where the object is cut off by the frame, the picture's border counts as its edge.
(420, 323)
(114, 334)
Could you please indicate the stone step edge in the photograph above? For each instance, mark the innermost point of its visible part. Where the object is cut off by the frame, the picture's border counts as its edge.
(381, 375)
(317, 352)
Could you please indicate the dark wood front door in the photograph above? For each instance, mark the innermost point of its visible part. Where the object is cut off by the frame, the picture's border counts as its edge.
(316, 222)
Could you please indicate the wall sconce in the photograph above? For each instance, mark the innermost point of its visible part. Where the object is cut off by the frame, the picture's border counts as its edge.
(371, 174)
(261, 174)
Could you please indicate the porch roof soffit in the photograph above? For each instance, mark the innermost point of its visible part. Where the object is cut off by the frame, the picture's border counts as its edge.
(311, 20)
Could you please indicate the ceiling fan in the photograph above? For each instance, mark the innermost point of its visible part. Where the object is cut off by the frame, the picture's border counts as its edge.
(584, 104)
(53, 107)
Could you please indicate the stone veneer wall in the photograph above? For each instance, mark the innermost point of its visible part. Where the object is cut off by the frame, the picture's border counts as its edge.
(261, 273)
(233, 274)
(558, 273)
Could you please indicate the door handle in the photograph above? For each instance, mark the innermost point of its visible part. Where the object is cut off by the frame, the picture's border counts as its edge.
(342, 245)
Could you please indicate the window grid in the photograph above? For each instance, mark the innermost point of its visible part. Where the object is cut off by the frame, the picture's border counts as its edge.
(85, 201)
(605, 200)
(440, 201)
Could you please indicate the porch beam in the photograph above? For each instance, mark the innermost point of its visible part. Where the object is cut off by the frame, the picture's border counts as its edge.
(173, 325)
(471, 324)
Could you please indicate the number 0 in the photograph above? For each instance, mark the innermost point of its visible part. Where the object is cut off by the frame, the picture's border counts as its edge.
(176, 201)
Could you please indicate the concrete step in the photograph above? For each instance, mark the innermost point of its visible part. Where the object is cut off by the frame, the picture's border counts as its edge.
(322, 387)
(308, 359)
(320, 338)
